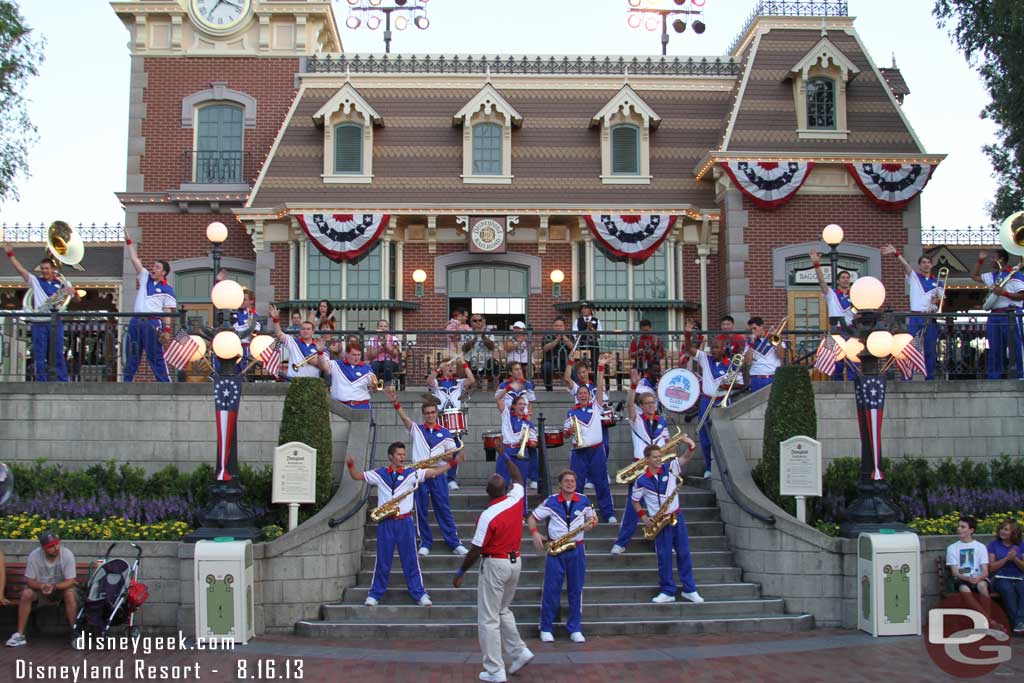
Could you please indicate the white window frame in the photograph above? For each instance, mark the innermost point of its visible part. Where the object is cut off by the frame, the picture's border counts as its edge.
(347, 106)
(487, 106)
(626, 107)
(825, 60)
(383, 254)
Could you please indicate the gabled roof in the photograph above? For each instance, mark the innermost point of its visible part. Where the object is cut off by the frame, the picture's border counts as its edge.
(826, 54)
(347, 98)
(626, 99)
(894, 78)
(489, 100)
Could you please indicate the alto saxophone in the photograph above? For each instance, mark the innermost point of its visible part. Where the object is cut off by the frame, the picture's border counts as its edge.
(632, 471)
(434, 459)
(557, 546)
(662, 517)
(390, 508)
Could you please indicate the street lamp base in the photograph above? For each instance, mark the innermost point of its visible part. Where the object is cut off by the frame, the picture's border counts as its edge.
(226, 514)
(870, 512)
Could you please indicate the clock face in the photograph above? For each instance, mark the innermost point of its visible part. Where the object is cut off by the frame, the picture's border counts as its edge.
(220, 16)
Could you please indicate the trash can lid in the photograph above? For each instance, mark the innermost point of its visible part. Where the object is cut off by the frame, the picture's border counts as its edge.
(223, 539)
(881, 531)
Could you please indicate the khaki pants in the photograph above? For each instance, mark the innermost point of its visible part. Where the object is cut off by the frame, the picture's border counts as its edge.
(496, 623)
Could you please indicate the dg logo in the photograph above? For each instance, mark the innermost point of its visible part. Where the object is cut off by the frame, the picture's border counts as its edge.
(968, 635)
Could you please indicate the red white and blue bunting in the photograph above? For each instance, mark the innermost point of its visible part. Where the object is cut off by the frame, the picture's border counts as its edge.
(343, 236)
(891, 186)
(768, 183)
(635, 237)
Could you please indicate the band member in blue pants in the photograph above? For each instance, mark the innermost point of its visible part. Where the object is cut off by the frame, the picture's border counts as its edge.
(589, 460)
(513, 421)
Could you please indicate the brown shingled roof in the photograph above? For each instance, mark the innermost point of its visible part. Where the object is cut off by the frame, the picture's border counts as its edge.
(895, 80)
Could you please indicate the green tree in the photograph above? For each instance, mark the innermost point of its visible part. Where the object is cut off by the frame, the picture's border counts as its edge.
(990, 33)
(21, 53)
(306, 419)
(790, 413)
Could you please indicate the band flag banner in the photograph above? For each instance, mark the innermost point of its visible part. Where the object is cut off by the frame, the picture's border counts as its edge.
(768, 183)
(181, 349)
(271, 358)
(826, 356)
(891, 186)
(228, 395)
(635, 237)
(870, 397)
(343, 236)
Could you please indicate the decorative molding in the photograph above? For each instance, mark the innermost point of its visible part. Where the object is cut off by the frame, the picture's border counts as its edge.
(532, 263)
(543, 234)
(255, 230)
(511, 222)
(218, 92)
(462, 220)
(490, 102)
(623, 104)
(431, 234)
(346, 101)
(824, 55)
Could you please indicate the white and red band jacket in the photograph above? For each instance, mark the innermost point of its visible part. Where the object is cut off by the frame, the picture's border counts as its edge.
(646, 431)
(297, 350)
(589, 418)
(428, 441)
(564, 514)
(512, 429)
(606, 409)
(646, 386)
(511, 396)
(712, 375)
(449, 393)
(350, 383)
(922, 290)
(651, 488)
(764, 360)
(392, 483)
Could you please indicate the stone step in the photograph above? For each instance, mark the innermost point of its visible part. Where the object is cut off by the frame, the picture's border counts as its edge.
(468, 498)
(530, 611)
(467, 629)
(697, 514)
(596, 545)
(627, 561)
(534, 577)
(601, 531)
(397, 593)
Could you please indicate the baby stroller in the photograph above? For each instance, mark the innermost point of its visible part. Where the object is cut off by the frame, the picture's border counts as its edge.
(112, 595)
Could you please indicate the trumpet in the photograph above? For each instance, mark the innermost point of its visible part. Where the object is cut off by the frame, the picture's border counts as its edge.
(521, 453)
(578, 432)
(775, 338)
(380, 385)
(304, 361)
(390, 508)
(632, 472)
(557, 546)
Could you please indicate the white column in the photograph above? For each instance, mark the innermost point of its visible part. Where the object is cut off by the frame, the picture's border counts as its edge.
(703, 251)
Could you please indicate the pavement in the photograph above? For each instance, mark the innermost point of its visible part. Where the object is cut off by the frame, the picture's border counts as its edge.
(824, 655)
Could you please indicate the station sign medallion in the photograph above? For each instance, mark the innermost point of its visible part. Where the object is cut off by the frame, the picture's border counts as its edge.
(487, 235)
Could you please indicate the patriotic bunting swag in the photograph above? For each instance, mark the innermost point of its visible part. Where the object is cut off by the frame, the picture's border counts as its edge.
(870, 396)
(343, 236)
(632, 237)
(229, 394)
(891, 186)
(768, 183)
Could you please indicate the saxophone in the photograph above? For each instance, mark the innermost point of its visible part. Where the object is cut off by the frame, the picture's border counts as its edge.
(632, 471)
(390, 508)
(662, 518)
(434, 459)
(557, 546)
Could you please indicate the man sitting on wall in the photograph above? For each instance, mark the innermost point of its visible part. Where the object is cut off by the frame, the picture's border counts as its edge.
(50, 579)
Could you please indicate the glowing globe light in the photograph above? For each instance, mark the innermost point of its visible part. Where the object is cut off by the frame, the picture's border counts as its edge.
(880, 343)
(200, 347)
(832, 234)
(227, 345)
(227, 295)
(259, 344)
(216, 232)
(867, 294)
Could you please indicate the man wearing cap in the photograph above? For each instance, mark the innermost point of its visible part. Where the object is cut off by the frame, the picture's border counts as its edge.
(49, 578)
(587, 324)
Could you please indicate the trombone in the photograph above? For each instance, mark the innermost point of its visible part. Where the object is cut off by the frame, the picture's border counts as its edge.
(943, 277)
(775, 337)
(731, 374)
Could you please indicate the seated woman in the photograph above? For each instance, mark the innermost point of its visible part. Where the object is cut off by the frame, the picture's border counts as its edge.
(1006, 567)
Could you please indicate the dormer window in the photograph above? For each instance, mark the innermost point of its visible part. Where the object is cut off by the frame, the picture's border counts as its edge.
(348, 122)
(626, 123)
(487, 121)
(819, 92)
(821, 104)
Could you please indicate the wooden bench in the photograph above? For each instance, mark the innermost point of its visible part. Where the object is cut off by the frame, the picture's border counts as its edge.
(946, 579)
(15, 574)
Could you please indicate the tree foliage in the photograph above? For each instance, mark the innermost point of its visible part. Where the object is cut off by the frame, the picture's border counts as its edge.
(990, 33)
(790, 413)
(306, 419)
(21, 53)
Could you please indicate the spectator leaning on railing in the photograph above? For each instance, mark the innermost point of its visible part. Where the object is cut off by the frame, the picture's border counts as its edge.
(646, 348)
(478, 349)
(383, 352)
(457, 324)
(517, 348)
(556, 348)
(324, 316)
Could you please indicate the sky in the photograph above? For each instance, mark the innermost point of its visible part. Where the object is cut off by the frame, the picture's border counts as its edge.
(79, 101)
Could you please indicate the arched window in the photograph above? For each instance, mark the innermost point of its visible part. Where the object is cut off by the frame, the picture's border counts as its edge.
(348, 148)
(218, 155)
(821, 103)
(487, 149)
(626, 150)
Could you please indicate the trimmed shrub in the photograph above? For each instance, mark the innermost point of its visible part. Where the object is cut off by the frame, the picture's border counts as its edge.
(306, 419)
(790, 413)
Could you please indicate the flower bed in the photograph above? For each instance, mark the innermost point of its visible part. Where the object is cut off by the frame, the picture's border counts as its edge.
(112, 528)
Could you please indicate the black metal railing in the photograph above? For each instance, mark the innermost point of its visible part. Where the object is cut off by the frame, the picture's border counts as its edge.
(217, 168)
(980, 236)
(537, 65)
(790, 8)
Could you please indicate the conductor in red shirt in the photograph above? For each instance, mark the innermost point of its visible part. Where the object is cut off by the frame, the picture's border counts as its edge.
(499, 532)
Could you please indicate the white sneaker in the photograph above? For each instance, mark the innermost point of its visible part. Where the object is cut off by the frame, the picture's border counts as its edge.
(493, 678)
(589, 486)
(547, 637)
(693, 597)
(424, 551)
(16, 640)
(617, 549)
(461, 551)
(370, 602)
(453, 485)
(613, 520)
(707, 474)
(524, 658)
(533, 485)
(577, 637)
(425, 601)
(663, 597)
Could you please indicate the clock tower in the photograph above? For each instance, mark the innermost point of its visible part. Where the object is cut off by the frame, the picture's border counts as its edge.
(211, 84)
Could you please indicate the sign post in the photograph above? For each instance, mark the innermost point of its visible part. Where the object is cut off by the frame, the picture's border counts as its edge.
(294, 478)
(800, 471)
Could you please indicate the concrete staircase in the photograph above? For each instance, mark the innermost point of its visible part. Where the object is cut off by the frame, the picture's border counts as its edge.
(616, 598)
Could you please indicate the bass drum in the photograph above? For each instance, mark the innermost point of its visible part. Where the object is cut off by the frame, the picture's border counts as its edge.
(678, 390)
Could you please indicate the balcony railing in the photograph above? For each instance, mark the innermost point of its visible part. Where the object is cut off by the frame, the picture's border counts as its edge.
(790, 8)
(217, 168)
(980, 236)
(36, 234)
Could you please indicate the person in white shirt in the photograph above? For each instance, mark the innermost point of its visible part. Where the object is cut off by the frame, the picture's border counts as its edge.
(149, 333)
(925, 295)
(352, 380)
(1003, 327)
(299, 348)
(761, 358)
(968, 559)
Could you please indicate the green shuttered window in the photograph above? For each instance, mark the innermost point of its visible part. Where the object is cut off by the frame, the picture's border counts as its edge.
(348, 148)
(625, 150)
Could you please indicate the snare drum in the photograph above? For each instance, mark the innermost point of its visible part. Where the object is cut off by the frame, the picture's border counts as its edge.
(493, 441)
(607, 419)
(553, 437)
(454, 421)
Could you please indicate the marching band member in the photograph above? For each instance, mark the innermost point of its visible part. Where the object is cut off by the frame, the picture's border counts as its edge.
(713, 369)
(243, 321)
(43, 286)
(647, 428)
(352, 380)
(514, 420)
(658, 481)
(299, 348)
(583, 375)
(1003, 332)
(429, 439)
(515, 386)
(589, 460)
(449, 390)
(397, 531)
(565, 511)
(839, 306)
(155, 297)
(761, 357)
(925, 294)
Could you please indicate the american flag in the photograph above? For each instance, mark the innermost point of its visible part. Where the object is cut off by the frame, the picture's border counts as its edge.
(870, 396)
(911, 359)
(825, 359)
(228, 390)
(271, 358)
(181, 349)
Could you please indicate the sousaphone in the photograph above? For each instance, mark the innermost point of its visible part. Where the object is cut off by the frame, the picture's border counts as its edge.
(1011, 238)
(63, 246)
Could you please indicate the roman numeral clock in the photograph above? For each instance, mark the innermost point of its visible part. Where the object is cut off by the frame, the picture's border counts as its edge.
(220, 16)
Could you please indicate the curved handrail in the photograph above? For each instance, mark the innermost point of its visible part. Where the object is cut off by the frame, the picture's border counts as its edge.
(372, 445)
(729, 486)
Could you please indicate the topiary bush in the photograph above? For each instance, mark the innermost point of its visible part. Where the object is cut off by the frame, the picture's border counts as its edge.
(306, 419)
(790, 413)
